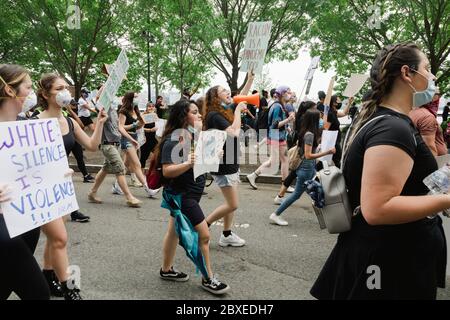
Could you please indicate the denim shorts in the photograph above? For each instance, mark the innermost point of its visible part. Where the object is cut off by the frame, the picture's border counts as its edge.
(126, 144)
(229, 180)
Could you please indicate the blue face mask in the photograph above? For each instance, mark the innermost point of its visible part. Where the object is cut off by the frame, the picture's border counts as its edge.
(226, 106)
(191, 129)
(421, 98)
(320, 123)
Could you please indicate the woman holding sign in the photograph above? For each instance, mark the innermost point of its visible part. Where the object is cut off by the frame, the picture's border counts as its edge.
(177, 161)
(19, 271)
(53, 95)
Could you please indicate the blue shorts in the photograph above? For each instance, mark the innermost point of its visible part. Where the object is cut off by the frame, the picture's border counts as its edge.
(126, 144)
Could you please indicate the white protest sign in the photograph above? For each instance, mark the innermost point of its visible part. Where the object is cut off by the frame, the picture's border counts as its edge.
(256, 41)
(142, 100)
(312, 68)
(355, 83)
(34, 164)
(328, 141)
(117, 73)
(209, 146)
(141, 137)
(160, 124)
(150, 117)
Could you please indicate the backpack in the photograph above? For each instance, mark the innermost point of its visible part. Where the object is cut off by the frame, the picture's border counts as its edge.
(295, 157)
(154, 175)
(335, 213)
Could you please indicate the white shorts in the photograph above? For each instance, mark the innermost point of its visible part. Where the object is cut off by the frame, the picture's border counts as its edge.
(229, 180)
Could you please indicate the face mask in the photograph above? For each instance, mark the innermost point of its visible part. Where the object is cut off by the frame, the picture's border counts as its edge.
(30, 102)
(421, 98)
(320, 123)
(63, 98)
(226, 106)
(339, 105)
(191, 129)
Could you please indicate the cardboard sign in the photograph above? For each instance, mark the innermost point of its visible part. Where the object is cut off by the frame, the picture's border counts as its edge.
(209, 145)
(117, 73)
(256, 42)
(34, 164)
(355, 83)
(312, 68)
(329, 92)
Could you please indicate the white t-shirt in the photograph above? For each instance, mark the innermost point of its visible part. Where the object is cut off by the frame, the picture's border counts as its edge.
(83, 112)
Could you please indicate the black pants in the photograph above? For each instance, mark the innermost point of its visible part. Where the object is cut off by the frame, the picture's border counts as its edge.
(19, 271)
(337, 156)
(146, 149)
(77, 152)
(290, 178)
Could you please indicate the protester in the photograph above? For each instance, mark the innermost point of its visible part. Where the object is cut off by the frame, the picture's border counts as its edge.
(150, 135)
(177, 169)
(395, 230)
(85, 110)
(19, 271)
(308, 140)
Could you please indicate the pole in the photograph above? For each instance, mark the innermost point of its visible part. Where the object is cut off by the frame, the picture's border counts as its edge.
(148, 69)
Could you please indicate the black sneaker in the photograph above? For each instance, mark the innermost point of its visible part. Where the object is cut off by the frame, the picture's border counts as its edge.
(72, 294)
(77, 216)
(53, 284)
(173, 275)
(214, 286)
(88, 179)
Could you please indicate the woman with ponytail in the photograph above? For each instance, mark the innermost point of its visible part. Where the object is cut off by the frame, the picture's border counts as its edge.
(396, 247)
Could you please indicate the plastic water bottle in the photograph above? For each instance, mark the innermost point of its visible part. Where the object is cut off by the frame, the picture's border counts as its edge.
(438, 183)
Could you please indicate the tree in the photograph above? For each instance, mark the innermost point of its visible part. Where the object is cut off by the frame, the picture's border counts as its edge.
(348, 33)
(229, 23)
(75, 52)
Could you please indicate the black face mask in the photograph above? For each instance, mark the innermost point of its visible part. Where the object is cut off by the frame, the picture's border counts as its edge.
(339, 105)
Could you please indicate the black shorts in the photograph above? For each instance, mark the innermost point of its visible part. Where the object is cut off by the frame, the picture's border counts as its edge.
(191, 209)
(86, 121)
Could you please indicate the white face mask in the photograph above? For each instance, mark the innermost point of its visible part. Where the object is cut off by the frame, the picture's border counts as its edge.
(30, 102)
(63, 98)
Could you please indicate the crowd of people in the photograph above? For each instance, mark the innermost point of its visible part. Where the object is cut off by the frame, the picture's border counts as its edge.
(395, 228)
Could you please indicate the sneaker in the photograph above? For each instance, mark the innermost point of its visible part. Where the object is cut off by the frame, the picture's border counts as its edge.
(232, 240)
(252, 180)
(116, 189)
(278, 200)
(77, 216)
(88, 179)
(290, 190)
(151, 193)
(214, 286)
(275, 219)
(93, 198)
(135, 183)
(72, 294)
(134, 203)
(173, 275)
(53, 283)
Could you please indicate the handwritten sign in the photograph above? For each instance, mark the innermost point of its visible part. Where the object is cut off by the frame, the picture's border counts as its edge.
(328, 141)
(355, 83)
(209, 146)
(117, 73)
(256, 41)
(34, 164)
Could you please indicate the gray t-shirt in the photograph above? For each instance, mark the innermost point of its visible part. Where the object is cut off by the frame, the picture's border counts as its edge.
(309, 138)
(111, 131)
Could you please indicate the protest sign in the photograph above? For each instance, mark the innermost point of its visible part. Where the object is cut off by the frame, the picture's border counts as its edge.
(355, 83)
(141, 137)
(34, 164)
(256, 41)
(142, 100)
(329, 92)
(312, 68)
(160, 124)
(116, 73)
(150, 117)
(209, 146)
(328, 141)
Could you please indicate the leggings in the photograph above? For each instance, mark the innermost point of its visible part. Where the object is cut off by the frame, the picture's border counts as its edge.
(290, 178)
(146, 149)
(77, 152)
(19, 271)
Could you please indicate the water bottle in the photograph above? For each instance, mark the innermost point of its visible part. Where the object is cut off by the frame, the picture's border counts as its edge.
(438, 183)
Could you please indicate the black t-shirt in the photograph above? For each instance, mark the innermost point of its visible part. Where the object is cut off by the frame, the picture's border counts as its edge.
(320, 107)
(395, 130)
(335, 125)
(159, 111)
(230, 162)
(185, 183)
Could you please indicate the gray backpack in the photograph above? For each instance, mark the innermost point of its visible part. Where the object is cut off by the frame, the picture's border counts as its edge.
(336, 215)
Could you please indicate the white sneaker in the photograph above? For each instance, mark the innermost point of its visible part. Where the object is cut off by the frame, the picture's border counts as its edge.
(278, 200)
(232, 240)
(277, 220)
(252, 180)
(116, 189)
(150, 192)
(290, 190)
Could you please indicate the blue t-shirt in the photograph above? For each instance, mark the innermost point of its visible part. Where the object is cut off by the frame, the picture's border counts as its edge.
(276, 114)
